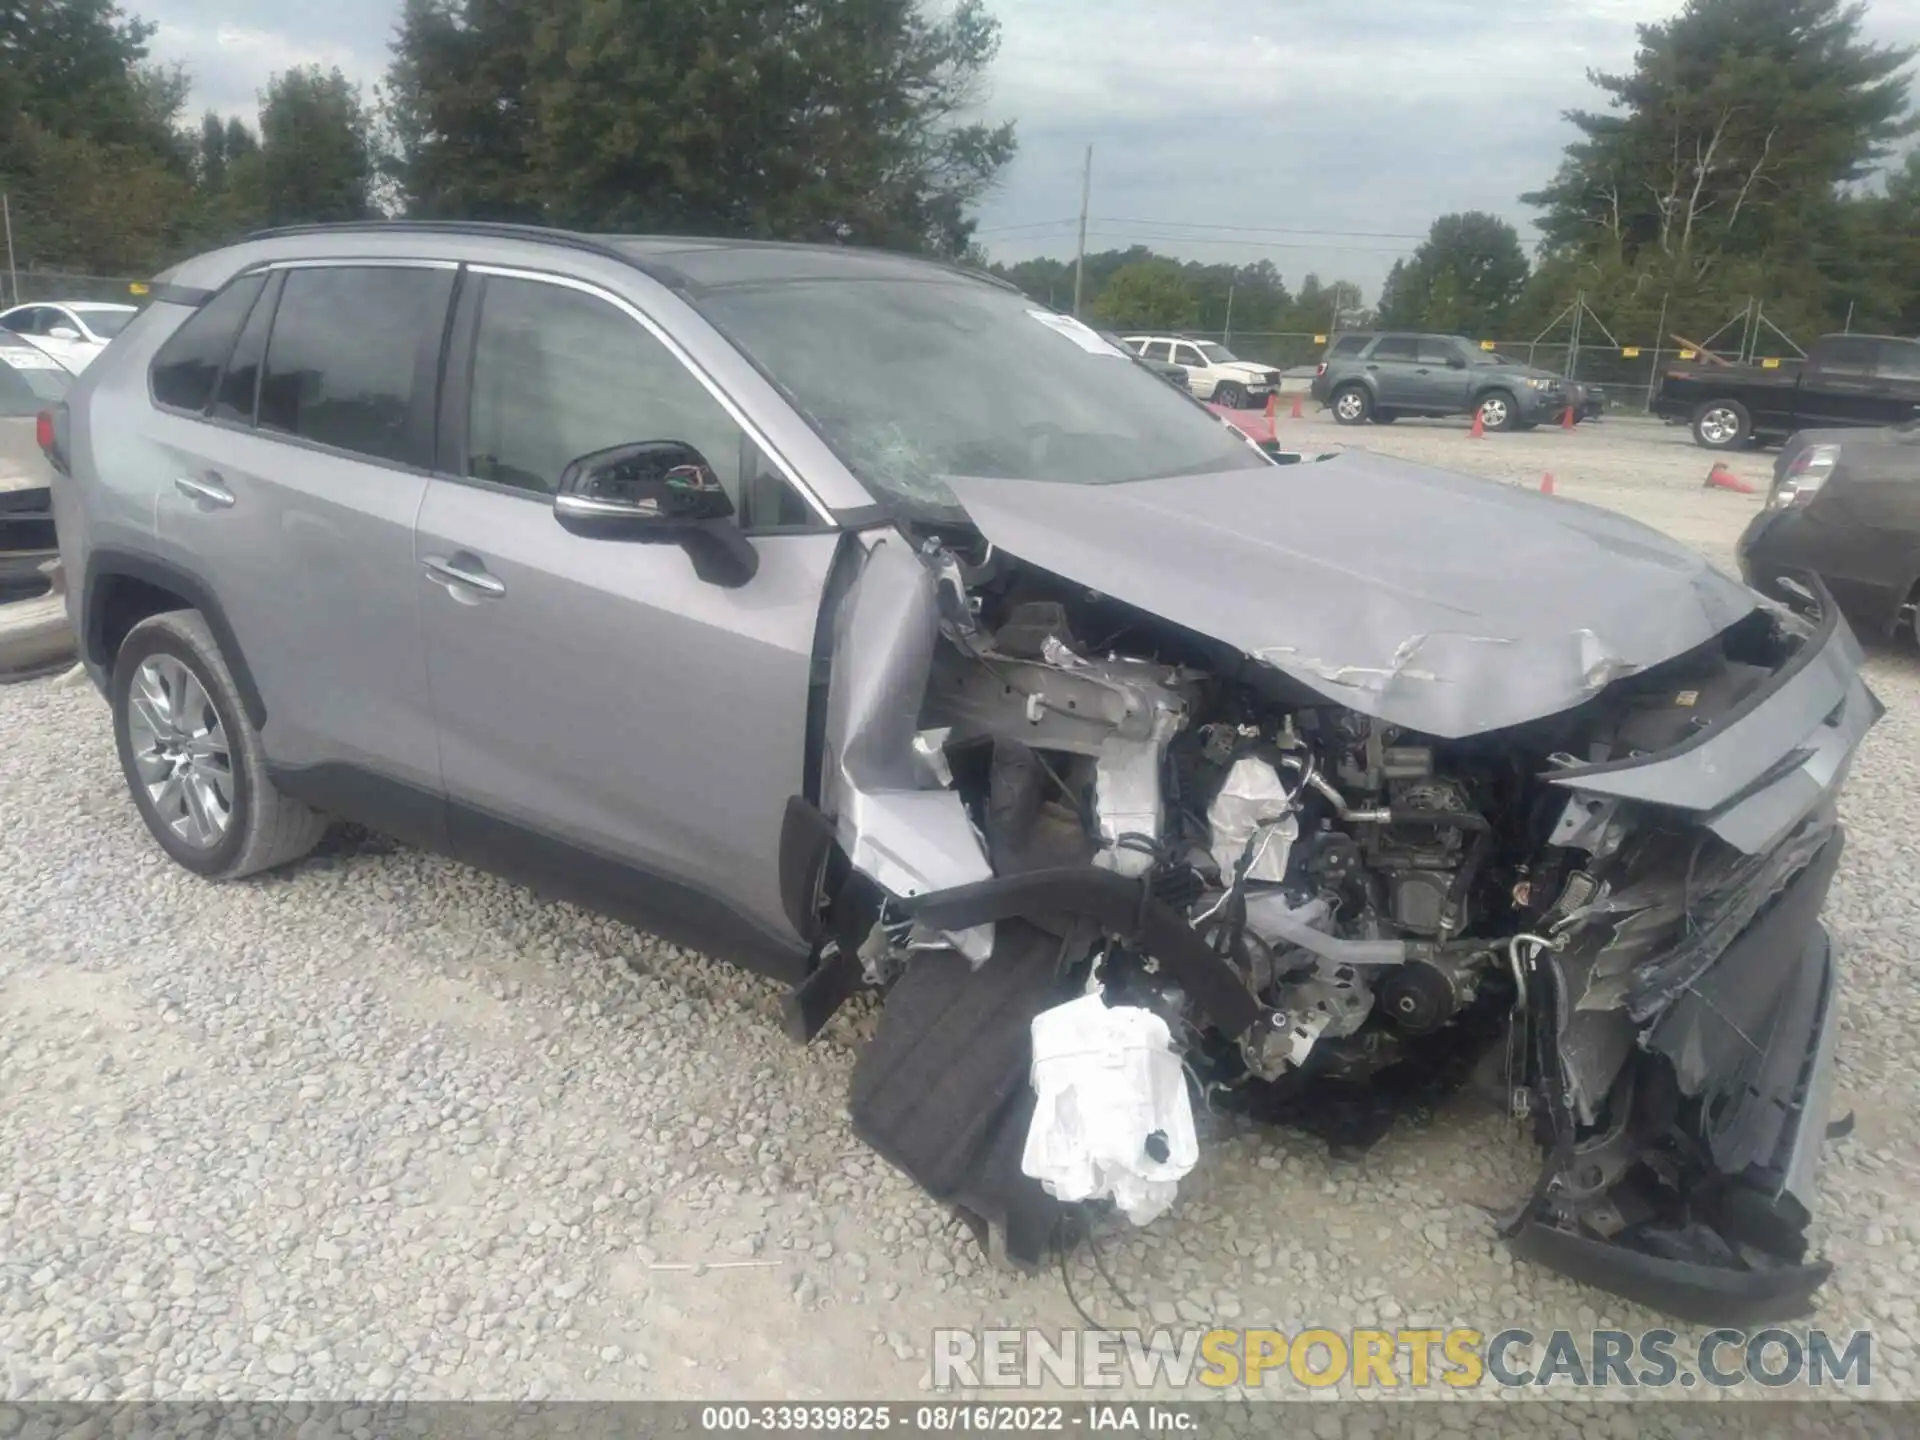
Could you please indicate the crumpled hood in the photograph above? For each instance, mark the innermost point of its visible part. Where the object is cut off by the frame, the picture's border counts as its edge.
(1246, 370)
(1436, 601)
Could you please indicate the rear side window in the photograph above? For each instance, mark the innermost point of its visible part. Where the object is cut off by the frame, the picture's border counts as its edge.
(1848, 357)
(351, 360)
(184, 371)
(1395, 347)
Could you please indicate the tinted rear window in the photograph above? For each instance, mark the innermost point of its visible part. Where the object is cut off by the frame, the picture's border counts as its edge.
(188, 364)
(344, 366)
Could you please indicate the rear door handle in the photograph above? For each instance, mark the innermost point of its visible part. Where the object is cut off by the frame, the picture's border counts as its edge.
(205, 492)
(467, 577)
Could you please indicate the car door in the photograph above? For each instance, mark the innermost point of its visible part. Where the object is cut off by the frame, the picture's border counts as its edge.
(291, 489)
(1200, 377)
(1842, 388)
(1392, 364)
(1440, 376)
(602, 710)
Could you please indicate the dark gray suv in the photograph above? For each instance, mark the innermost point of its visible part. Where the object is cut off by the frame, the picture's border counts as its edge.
(1381, 377)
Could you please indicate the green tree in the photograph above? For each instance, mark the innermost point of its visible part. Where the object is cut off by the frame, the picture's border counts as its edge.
(98, 177)
(1464, 278)
(315, 161)
(1150, 294)
(1730, 135)
(836, 120)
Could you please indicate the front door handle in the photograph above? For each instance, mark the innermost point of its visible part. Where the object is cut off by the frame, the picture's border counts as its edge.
(205, 492)
(447, 572)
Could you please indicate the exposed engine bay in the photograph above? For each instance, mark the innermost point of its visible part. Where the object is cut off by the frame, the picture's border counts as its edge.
(1329, 910)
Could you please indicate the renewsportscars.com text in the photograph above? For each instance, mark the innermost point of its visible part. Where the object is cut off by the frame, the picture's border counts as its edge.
(1411, 1359)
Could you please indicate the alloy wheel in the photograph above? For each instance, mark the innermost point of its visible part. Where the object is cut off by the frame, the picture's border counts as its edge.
(180, 751)
(1719, 426)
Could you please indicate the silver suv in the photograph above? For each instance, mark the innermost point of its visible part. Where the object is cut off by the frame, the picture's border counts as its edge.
(852, 617)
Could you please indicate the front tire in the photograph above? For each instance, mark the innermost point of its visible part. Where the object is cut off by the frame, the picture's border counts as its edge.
(1498, 411)
(1230, 394)
(1722, 425)
(1352, 405)
(193, 762)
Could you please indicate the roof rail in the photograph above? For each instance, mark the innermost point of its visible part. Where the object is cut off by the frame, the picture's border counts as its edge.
(592, 244)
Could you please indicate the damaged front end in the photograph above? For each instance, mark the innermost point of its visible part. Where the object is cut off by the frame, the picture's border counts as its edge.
(1609, 910)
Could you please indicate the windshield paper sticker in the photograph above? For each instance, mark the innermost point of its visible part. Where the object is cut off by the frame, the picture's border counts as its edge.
(1081, 335)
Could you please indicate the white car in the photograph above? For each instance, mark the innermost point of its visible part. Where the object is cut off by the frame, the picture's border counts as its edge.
(1213, 371)
(72, 331)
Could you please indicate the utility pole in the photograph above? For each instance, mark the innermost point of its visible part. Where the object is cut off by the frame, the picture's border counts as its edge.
(1080, 250)
(1226, 337)
(13, 276)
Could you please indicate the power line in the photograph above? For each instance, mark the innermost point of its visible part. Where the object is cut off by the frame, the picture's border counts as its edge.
(1268, 229)
(1176, 239)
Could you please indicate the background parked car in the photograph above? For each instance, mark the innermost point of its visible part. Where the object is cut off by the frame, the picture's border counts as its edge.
(1845, 380)
(1845, 505)
(1165, 369)
(34, 630)
(1213, 372)
(1380, 377)
(72, 331)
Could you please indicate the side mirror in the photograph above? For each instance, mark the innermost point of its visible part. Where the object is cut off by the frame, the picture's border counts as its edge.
(657, 491)
(63, 332)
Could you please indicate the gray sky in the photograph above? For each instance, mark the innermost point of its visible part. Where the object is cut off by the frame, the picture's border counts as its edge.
(1215, 129)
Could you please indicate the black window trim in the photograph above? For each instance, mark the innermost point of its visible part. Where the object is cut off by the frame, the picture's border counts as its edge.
(268, 297)
(452, 414)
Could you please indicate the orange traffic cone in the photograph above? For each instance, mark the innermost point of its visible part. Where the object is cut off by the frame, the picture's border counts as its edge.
(1273, 402)
(1479, 430)
(1546, 483)
(1299, 412)
(1567, 422)
(1721, 478)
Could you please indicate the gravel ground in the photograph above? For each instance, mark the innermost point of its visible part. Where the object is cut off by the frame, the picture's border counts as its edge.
(381, 1126)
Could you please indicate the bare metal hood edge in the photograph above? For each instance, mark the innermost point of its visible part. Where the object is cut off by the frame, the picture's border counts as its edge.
(1439, 602)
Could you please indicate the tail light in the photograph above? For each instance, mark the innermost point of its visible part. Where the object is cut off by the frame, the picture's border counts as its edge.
(50, 433)
(1320, 369)
(1803, 477)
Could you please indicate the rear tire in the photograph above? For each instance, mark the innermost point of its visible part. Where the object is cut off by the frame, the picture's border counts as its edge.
(1230, 394)
(1352, 405)
(1722, 425)
(193, 762)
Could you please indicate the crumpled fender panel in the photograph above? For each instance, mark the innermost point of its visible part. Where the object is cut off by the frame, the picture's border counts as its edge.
(905, 836)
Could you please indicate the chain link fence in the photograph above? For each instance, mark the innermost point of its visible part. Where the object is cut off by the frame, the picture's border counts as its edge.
(1629, 373)
(26, 287)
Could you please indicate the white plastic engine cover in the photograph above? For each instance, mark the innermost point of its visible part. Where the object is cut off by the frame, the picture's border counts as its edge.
(1108, 1080)
(1253, 796)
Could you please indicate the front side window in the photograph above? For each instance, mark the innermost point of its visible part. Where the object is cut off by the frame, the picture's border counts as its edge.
(1188, 355)
(1433, 351)
(911, 380)
(1218, 354)
(190, 361)
(558, 374)
(344, 365)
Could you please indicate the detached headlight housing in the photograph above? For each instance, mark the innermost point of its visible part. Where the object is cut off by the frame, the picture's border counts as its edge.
(1804, 476)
